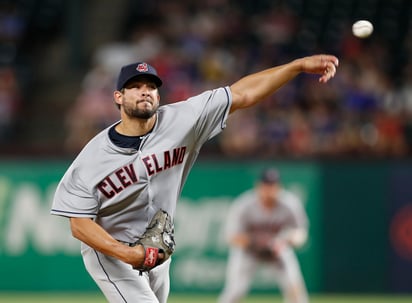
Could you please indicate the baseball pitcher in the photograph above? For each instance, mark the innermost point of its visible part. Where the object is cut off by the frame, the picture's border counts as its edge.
(120, 192)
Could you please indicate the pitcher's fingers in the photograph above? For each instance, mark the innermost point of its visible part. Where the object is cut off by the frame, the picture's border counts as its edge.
(329, 72)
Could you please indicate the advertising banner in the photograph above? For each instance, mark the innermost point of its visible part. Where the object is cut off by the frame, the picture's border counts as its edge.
(38, 252)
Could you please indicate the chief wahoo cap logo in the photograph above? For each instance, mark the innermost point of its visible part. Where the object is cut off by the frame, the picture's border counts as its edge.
(142, 67)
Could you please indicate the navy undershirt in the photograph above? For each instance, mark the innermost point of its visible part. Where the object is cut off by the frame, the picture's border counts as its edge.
(124, 141)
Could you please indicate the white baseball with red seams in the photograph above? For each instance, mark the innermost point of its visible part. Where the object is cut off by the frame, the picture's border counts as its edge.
(362, 28)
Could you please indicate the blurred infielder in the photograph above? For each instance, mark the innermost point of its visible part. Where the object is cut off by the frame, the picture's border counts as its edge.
(120, 192)
(263, 226)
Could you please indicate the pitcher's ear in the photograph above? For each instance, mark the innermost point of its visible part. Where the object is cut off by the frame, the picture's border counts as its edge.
(117, 96)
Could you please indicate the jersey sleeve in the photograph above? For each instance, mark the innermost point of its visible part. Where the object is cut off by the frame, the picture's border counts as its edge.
(73, 198)
(298, 212)
(212, 109)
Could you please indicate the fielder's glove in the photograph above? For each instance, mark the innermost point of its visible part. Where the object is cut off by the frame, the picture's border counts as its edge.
(157, 239)
(260, 247)
(262, 253)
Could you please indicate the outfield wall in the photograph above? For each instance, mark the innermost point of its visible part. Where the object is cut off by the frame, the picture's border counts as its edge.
(359, 233)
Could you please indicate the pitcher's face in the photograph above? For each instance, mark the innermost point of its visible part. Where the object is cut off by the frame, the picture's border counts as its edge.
(140, 99)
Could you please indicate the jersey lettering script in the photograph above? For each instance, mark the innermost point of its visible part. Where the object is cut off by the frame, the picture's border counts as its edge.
(126, 175)
(115, 183)
(170, 159)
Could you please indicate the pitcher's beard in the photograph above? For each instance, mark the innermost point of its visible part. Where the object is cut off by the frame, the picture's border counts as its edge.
(140, 113)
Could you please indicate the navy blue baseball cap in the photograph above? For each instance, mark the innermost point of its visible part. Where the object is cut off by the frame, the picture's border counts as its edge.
(270, 175)
(128, 72)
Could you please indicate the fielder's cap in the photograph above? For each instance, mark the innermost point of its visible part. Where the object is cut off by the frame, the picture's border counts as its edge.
(270, 175)
(128, 72)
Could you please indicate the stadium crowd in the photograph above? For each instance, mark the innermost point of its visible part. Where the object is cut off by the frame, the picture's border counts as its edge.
(366, 111)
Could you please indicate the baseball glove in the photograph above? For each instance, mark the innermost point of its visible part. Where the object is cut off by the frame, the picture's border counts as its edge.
(157, 241)
(259, 247)
(262, 253)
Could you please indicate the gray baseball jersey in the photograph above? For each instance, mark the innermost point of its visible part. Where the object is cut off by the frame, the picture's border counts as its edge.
(122, 188)
(247, 216)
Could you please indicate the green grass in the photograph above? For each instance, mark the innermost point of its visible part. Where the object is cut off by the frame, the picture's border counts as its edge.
(190, 298)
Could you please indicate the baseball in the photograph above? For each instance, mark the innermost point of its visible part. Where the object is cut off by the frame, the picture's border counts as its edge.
(362, 28)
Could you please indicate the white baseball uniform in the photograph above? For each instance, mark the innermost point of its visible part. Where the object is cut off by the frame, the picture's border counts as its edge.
(247, 216)
(121, 188)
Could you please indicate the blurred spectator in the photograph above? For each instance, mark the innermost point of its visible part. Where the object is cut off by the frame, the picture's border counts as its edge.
(9, 102)
(93, 109)
(12, 26)
(240, 138)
